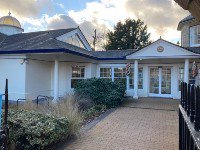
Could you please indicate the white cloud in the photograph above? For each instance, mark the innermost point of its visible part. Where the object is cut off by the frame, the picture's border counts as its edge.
(87, 27)
(24, 8)
(161, 16)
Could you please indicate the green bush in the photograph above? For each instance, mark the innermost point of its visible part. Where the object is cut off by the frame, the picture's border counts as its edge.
(93, 112)
(102, 91)
(31, 130)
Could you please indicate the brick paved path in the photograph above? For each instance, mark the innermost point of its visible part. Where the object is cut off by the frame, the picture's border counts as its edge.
(146, 127)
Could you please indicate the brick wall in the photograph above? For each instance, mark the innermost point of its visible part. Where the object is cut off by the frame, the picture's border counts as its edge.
(185, 36)
(185, 33)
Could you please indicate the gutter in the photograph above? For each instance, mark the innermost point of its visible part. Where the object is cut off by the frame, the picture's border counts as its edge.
(37, 51)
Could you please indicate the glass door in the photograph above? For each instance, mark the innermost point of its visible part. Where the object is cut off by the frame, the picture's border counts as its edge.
(154, 80)
(166, 80)
(160, 81)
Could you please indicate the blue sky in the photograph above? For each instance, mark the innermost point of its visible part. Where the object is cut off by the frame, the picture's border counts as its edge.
(161, 16)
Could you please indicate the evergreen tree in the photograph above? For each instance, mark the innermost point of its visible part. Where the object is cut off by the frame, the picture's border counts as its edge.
(132, 34)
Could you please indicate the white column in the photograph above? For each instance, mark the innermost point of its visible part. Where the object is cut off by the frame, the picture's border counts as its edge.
(56, 80)
(135, 79)
(113, 75)
(186, 71)
(127, 82)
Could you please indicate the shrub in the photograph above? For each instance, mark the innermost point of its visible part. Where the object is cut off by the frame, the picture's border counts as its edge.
(93, 112)
(67, 107)
(32, 130)
(38, 127)
(102, 91)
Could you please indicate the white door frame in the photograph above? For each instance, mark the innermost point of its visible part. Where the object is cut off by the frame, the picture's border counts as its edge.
(160, 83)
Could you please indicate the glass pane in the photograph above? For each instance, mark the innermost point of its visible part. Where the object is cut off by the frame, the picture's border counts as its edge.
(154, 80)
(166, 80)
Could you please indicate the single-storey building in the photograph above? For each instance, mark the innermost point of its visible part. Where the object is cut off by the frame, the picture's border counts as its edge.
(51, 62)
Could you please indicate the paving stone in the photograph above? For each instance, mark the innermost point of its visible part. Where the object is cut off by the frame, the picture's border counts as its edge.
(127, 128)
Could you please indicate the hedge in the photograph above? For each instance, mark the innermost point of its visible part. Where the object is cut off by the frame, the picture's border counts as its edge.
(31, 130)
(102, 91)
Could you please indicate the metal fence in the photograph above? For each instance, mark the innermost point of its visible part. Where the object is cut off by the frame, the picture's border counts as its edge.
(189, 117)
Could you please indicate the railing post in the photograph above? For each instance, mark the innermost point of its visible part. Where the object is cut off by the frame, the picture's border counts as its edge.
(188, 99)
(182, 94)
(5, 124)
(180, 129)
(192, 103)
(185, 96)
(197, 110)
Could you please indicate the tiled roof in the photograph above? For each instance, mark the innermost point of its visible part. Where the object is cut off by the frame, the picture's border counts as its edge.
(2, 37)
(194, 49)
(32, 40)
(45, 41)
(113, 54)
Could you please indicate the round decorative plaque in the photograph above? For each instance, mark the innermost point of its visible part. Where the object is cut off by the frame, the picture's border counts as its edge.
(160, 49)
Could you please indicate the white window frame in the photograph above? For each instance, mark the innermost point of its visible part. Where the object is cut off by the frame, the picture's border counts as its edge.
(122, 66)
(194, 34)
(123, 77)
(104, 72)
(77, 78)
(179, 78)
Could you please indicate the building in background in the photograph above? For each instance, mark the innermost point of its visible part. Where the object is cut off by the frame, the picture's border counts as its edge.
(51, 62)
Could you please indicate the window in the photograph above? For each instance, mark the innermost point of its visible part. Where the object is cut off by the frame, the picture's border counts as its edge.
(195, 35)
(78, 74)
(131, 79)
(191, 78)
(119, 73)
(180, 77)
(106, 73)
(198, 35)
(140, 79)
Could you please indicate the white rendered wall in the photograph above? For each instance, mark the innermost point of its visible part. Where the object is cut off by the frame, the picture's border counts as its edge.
(14, 71)
(65, 75)
(38, 79)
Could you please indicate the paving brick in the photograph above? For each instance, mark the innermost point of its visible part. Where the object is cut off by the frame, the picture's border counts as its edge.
(134, 128)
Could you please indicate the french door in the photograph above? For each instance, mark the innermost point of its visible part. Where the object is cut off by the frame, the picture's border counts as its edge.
(160, 81)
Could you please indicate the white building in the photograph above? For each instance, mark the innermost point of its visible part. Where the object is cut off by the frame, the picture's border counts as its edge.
(51, 62)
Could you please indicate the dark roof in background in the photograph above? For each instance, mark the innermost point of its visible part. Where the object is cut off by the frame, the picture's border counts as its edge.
(185, 21)
(194, 49)
(113, 54)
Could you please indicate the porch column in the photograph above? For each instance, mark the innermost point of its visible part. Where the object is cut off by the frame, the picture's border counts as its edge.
(56, 80)
(186, 71)
(127, 82)
(135, 79)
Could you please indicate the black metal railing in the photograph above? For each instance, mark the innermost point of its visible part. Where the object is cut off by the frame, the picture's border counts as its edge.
(4, 131)
(189, 117)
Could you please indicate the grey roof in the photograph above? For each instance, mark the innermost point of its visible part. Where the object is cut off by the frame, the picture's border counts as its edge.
(113, 54)
(32, 40)
(185, 21)
(2, 37)
(46, 40)
(194, 49)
